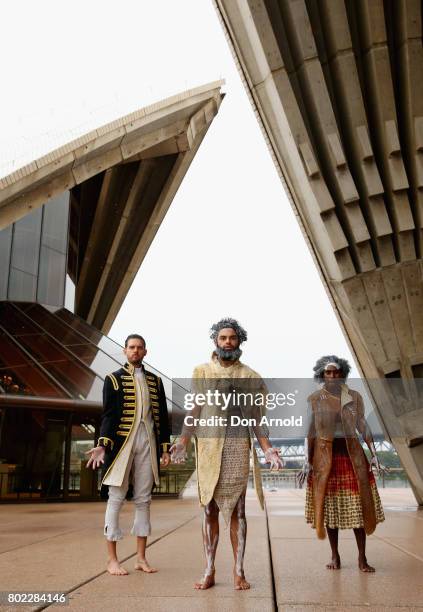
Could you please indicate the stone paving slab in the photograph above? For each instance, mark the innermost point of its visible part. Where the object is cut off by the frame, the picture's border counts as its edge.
(53, 547)
(302, 581)
(65, 550)
(180, 559)
(304, 607)
(398, 580)
(128, 603)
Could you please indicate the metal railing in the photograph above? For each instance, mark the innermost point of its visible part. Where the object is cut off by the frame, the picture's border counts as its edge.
(288, 478)
(172, 483)
(12, 489)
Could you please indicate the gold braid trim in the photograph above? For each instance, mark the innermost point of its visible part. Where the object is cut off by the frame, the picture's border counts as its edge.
(114, 382)
(103, 441)
(123, 434)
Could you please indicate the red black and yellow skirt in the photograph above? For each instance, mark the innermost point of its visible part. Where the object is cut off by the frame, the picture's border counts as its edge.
(343, 508)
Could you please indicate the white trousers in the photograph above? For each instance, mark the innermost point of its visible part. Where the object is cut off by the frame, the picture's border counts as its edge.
(139, 466)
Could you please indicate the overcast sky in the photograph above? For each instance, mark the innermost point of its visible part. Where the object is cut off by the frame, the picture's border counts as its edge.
(230, 244)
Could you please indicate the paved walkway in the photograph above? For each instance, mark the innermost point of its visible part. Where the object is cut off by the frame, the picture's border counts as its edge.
(302, 581)
(60, 547)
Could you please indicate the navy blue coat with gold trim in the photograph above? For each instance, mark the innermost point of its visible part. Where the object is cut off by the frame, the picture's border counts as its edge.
(119, 403)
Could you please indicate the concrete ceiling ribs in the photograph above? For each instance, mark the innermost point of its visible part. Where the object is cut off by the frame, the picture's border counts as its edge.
(338, 91)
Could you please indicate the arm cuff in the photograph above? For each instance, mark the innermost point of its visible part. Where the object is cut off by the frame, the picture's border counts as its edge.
(165, 447)
(106, 442)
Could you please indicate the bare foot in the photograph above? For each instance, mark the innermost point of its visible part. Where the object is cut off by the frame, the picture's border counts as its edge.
(240, 584)
(364, 566)
(205, 583)
(115, 569)
(143, 566)
(335, 563)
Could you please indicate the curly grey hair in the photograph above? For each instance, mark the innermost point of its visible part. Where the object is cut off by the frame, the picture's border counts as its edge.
(228, 322)
(321, 364)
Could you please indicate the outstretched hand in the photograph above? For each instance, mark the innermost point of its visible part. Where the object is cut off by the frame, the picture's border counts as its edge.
(272, 456)
(96, 457)
(303, 475)
(165, 459)
(377, 467)
(178, 452)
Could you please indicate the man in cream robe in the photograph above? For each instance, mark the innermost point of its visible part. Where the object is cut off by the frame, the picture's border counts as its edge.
(209, 447)
(223, 453)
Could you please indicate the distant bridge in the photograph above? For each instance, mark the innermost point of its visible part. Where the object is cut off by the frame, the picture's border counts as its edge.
(293, 448)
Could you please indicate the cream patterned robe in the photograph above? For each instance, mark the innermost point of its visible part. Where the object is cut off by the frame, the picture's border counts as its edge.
(209, 449)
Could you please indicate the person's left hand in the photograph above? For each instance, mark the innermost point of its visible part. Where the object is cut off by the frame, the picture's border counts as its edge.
(377, 467)
(178, 452)
(273, 457)
(303, 475)
(165, 459)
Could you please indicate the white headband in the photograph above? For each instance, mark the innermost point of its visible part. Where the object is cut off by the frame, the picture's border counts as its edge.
(333, 363)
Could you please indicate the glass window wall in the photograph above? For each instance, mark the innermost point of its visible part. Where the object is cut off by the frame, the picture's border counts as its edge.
(33, 252)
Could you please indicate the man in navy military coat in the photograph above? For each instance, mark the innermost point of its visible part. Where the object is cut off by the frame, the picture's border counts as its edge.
(134, 440)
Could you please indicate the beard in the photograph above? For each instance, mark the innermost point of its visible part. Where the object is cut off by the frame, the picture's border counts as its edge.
(137, 363)
(231, 355)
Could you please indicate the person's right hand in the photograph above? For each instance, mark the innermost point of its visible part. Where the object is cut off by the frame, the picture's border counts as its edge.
(303, 475)
(178, 452)
(96, 457)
